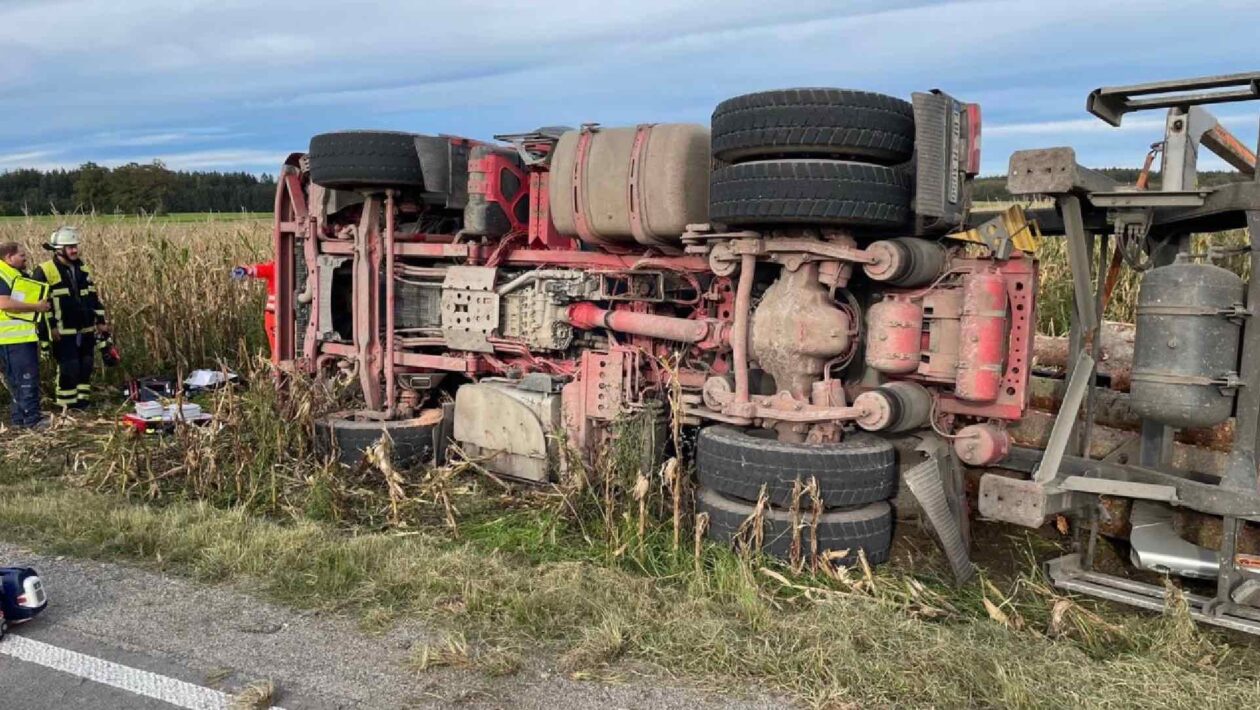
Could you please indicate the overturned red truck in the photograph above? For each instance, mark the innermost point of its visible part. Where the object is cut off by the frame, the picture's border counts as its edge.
(805, 270)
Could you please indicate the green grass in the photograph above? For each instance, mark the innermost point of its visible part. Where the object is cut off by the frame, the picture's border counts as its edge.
(726, 622)
(528, 571)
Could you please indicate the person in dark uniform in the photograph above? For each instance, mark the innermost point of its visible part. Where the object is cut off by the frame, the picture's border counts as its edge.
(77, 317)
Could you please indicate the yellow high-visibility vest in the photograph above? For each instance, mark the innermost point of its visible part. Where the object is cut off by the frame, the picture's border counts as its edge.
(20, 327)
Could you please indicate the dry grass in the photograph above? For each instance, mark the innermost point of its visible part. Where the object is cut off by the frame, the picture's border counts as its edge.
(255, 696)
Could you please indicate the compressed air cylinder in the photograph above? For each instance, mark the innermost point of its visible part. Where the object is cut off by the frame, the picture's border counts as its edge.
(1186, 344)
(894, 335)
(982, 444)
(983, 338)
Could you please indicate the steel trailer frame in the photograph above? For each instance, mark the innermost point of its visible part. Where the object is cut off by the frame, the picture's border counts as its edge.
(1090, 207)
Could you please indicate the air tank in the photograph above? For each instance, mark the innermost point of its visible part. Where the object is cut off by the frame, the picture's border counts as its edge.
(982, 346)
(894, 335)
(1186, 344)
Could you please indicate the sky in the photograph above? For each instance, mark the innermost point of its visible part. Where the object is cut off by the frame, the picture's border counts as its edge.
(236, 85)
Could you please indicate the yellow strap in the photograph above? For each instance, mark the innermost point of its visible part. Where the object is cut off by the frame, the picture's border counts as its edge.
(51, 272)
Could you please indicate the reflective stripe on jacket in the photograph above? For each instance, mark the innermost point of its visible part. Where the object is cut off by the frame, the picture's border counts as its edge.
(76, 306)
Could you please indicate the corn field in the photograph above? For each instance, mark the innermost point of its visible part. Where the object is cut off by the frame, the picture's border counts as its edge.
(166, 286)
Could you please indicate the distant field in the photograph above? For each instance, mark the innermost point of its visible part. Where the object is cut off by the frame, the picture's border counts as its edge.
(137, 219)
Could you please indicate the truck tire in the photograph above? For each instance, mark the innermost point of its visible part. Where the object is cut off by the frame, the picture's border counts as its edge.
(821, 192)
(736, 462)
(827, 123)
(343, 437)
(346, 160)
(868, 528)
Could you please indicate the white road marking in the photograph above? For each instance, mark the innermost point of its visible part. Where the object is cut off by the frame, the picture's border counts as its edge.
(133, 680)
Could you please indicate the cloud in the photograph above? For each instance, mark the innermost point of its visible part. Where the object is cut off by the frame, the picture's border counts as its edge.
(26, 159)
(81, 79)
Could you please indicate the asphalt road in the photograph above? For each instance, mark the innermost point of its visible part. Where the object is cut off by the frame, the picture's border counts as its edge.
(118, 637)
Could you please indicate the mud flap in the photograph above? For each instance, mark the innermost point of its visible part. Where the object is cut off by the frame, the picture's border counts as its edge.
(943, 508)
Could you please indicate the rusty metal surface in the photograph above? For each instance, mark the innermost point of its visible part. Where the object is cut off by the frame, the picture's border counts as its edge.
(366, 307)
(1020, 275)
(982, 348)
(893, 329)
(797, 329)
(942, 314)
(1233, 151)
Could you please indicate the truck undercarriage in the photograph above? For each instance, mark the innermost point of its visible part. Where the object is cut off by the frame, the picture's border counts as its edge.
(804, 280)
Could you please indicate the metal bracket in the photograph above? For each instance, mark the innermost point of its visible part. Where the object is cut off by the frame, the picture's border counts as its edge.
(1020, 501)
(1111, 103)
(1067, 573)
(1061, 433)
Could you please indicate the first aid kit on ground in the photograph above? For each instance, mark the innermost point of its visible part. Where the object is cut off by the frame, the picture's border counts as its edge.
(155, 417)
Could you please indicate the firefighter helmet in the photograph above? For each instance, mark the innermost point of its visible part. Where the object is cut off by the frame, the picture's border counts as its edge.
(64, 237)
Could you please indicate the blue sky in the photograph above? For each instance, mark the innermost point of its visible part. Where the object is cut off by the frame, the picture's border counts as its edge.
(230, 84)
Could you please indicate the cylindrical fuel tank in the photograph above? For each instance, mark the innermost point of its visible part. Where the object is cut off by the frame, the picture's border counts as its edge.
(982, 332)
(906, 261)
(893, 340)
(895, 407)
(1183, 342)
(624, 187)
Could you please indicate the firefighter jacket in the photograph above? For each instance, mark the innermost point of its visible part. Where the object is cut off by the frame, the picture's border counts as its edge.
(76, 306)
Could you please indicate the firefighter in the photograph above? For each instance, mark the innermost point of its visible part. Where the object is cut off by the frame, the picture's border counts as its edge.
(266, 271)
(20, 316)
(77, 317)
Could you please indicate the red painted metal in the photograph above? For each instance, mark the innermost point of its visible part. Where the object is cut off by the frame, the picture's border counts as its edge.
(595, 259)
(982, 444)
(542, 231)
(366, 299)
(1020, 276)
(894, 327)
(290, 209)
(587, 316)
(391, 402)
(491, 168)
(466, 363)
(942, 313)
(983, 338)
(972, 114)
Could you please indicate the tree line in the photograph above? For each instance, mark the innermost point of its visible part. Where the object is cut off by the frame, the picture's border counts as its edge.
(132, 189)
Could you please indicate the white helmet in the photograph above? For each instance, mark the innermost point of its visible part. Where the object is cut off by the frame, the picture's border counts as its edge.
(64, 237)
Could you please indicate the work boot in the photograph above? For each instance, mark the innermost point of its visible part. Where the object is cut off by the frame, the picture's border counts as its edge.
(43, 424)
